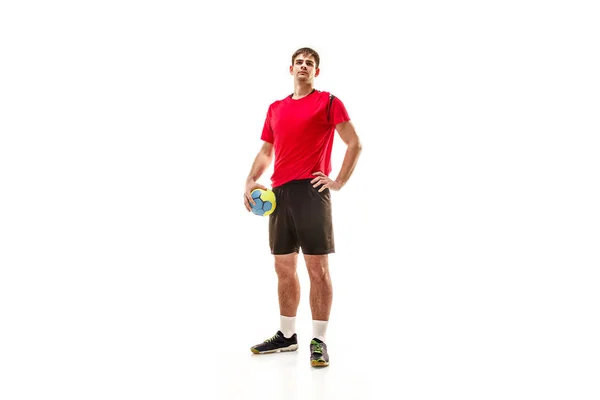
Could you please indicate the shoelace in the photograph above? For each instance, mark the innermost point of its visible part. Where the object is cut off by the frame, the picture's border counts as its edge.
(275, 336)
(317, 348)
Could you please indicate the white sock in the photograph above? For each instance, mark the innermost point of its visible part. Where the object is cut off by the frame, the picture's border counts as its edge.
(288, 325)
(319, 329)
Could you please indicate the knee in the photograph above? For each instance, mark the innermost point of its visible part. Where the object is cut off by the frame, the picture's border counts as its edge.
(318, 271)
(285, 270)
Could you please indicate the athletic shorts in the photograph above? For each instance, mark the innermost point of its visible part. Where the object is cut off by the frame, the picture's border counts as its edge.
(302, 219)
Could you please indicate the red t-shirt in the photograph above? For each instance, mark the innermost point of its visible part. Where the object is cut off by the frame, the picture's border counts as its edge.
(302, 136)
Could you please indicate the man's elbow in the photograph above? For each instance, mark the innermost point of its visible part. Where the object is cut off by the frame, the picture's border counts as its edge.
(355, 144)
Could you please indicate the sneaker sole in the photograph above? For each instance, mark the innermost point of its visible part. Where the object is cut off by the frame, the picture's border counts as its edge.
(293, 347)
(316, 363)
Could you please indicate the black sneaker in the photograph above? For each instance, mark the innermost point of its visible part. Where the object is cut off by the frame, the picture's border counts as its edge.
(318, 353)
(276, 344)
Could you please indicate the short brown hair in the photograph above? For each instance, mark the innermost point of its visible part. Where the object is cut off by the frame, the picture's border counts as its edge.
(307, 51)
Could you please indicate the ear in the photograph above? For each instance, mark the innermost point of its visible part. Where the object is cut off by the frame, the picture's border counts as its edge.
(317, 72)
(291, 70)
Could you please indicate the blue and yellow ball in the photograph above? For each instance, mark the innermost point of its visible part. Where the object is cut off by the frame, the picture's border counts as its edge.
(265, 202)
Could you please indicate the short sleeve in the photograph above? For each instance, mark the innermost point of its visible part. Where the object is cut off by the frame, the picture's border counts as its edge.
(267, 132)
(339, 112)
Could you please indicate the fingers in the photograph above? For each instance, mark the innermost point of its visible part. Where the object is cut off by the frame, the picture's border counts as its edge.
(320, 179)
(249, 201)
(319, 175)
(326, 185)
(324, 181)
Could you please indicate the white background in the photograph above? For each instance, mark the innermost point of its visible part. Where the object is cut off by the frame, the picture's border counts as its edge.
(467, 238)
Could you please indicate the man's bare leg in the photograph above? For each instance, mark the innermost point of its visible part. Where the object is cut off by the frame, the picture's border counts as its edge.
(288, 292)
(288, 285)
(321, 296)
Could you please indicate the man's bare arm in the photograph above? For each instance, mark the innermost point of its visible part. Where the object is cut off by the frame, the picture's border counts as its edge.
(259, 166)
(261, 162)
(348, 135)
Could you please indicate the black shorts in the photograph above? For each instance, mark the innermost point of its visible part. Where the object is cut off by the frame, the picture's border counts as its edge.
(302, 219)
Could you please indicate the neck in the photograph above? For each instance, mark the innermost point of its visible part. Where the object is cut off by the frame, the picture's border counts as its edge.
(302, 89)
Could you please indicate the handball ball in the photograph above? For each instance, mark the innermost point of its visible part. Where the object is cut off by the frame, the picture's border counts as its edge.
(265, 202)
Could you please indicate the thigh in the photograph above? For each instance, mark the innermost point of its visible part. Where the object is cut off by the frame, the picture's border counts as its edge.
(282, 232)
(313, 216)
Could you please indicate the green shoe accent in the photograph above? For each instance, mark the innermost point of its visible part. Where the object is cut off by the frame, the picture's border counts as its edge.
(318, 356)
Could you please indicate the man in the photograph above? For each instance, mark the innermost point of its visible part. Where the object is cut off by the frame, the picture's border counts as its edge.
(298, 132)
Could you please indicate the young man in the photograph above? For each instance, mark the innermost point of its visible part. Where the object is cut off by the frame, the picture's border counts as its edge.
(299, 132)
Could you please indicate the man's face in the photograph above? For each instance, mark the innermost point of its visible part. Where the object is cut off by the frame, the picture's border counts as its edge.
(304, 68)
